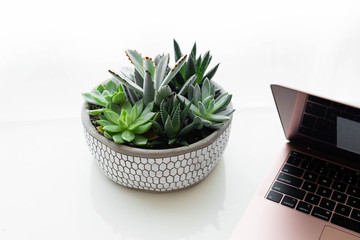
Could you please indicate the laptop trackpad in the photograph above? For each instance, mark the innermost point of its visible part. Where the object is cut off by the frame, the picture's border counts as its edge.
(330, 233)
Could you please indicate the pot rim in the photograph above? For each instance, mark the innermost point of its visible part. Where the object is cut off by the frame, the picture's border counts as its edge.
(152, 153)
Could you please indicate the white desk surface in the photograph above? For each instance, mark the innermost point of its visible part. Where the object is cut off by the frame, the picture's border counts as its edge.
(51, 187)
(52, 51)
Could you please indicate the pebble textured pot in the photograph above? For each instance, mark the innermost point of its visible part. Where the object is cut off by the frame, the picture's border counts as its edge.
(155, 170)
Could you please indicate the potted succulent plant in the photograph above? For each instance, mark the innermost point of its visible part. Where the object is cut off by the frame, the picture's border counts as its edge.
(158, 128)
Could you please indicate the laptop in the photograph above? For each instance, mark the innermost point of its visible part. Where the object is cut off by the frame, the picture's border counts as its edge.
(313, 189)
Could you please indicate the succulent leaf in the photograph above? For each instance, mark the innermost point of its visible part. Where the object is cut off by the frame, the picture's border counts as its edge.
(140, 140)
(118, 138)
(149, 91)
(127, 82)
(113, 128)
(160, 71)
(173, 71)
(190, 67)
(111, 116)
(185, 87)
(137, 60)
(149, 66)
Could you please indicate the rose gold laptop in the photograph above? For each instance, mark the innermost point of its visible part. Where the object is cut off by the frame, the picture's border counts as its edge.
(313, 190)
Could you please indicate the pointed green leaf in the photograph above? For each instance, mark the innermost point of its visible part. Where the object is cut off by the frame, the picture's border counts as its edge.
(160, 71)
(177, 51)
(118, 138)
(125, 117)
(128, 136)
(111, 116)
(104, 122)
(113, 128)
(127, 82)
(163, 113)
(184, 113)
(189, 128)
(201, 70)
(143, 128)
(149, 66)
(211, 72)
(144, 118)
(169, 129)
(108, 135)
(111, 86)
(205, 89)
(95, 111)
(172, 141)
(176, 118)
(211, 106)
(201, 108)
(197, 93)
(190, 68)
(100, 88)
(127, 106)
(140, 140)
(217, 118)
(140, 107)
(118, 97)
(137, 60)
(222, 103)
(139, 80)
(173, 71)
(133, 113)
(193, 51)
(185, 87)
(149, 91)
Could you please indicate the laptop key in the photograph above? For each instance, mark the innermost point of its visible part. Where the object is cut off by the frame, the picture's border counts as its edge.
(327, 204)
(353, 191)
(339, 197)
(292, 170)
(339, 186)
(324, 181)
(346, 222)
(323, 170)
(307, 165)
(309, 186)
(321, 213)
(294, 161)
(304, 207)
(353, 202)
(274, 196)
(355, 214)
(294, 181)
(310, 176)
(312, 198)
(335, 174)
(342, 209)
(323, 191)
(297, 154)
(350, 179)
(288, 190)
(289, 202)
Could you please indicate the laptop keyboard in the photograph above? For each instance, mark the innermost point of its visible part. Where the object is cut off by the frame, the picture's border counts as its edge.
(319, 188)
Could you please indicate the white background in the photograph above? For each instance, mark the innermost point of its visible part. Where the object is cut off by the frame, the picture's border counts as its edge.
(52, 51)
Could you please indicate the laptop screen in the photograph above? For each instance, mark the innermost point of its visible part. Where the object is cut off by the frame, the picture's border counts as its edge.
(319, 123)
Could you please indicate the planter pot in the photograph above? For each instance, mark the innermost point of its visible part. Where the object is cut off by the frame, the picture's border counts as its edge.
(155, 170)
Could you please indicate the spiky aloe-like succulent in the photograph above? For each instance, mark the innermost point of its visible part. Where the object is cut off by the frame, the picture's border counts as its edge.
(194, 65)
(150, 79)
(110, 93)
(212, 111)
(174, 123)
(129, 125)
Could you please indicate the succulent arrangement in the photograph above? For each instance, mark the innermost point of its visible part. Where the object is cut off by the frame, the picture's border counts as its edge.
(154, 105)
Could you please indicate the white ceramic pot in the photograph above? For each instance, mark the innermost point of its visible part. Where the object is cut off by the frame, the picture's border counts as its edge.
(155, 170)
